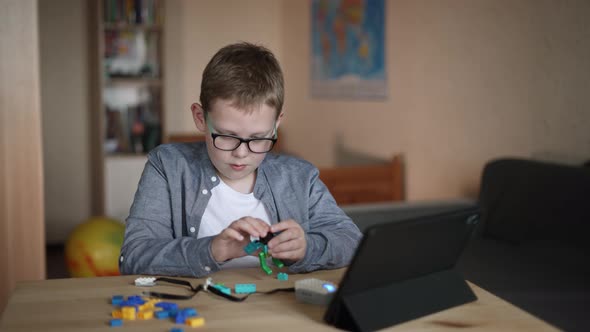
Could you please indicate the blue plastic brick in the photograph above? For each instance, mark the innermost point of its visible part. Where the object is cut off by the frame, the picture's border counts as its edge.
(117, 299)
(252, 247)
(245, 288)
(135, 299)
(176, 329)
(116, 322)
(180, 318)
(163, 314)
(282, 276)
(190, 312)
(167, 305)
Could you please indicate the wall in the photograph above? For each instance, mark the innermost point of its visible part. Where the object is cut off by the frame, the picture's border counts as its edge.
(468, 81)
(195, 30)
(22, 254)
(64, 101)
(121, 178)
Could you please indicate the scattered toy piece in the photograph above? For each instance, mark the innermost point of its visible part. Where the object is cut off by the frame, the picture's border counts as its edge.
(245, 288)
(195, 321)
(145, 281)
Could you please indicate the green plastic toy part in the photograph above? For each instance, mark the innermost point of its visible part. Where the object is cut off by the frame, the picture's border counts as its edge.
(263, 254)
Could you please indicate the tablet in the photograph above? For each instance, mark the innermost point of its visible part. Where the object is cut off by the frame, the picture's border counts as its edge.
(403, 270)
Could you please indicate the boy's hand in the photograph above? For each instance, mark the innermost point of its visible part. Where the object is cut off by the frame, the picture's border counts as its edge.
(231, 241)
(290, 244)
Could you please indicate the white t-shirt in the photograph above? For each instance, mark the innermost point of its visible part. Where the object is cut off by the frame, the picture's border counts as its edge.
(226, 206)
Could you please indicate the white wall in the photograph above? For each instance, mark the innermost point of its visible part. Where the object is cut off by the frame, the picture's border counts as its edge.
(122, 175)
(195, 30)
(468, 81)
(64, 105)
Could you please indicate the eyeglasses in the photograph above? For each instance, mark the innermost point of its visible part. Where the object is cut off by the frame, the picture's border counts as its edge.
(231, 142)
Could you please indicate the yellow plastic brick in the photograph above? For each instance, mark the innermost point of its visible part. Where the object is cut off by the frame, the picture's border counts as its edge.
(147, 314)
(128, 313)
(195, 321)
(117, 314)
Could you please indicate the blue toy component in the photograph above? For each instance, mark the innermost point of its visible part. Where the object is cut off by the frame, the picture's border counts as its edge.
(167, 306)
(135, 299)
(224, 289)
(163, 314)
(245, 288)
(116, 322)
(117, 299)
(252, 247)
(176, 329)
(189, 312)
(180, 318)
(282, 276)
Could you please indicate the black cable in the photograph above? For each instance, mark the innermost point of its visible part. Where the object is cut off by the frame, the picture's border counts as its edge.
(276, 290)
(195, 290)
(199, 288)
(169, 296)
(180, 282)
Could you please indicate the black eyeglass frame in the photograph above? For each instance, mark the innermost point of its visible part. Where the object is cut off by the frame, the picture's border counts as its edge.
(273, 139)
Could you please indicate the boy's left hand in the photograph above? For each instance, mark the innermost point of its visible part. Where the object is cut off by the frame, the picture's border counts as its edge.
(290, 244)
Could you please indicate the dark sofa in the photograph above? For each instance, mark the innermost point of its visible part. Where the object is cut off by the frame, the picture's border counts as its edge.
(530, 248)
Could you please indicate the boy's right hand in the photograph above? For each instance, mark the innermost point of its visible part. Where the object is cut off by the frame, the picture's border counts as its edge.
(231, 241)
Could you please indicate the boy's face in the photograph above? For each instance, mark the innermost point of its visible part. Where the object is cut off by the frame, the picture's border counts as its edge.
(236, 167)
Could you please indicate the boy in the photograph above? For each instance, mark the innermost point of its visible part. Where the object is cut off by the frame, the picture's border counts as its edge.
(199, 204)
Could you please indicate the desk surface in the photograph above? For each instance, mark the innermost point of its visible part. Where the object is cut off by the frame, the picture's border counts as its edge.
(83, 304)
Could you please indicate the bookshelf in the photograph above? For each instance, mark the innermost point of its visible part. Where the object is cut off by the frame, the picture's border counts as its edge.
(127, 81)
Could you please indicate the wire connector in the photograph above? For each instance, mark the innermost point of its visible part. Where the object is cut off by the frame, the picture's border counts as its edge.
(208, 283)
(145, 281)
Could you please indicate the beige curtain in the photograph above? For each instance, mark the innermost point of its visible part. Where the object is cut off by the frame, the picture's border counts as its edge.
(22, 231)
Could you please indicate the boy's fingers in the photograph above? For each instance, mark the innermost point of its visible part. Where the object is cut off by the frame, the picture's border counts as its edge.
(255, 224)
(283, 225)
(295, 244)
(293, 255)
(242, 225)
(262, 227)
(292, 231)
(288, 235)
(230, 233)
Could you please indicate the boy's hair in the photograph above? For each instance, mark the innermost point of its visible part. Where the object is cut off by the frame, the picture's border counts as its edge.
(246, 74)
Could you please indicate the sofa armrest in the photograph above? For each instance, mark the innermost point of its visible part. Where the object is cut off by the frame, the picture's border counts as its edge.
(526, 200)
(365, 215)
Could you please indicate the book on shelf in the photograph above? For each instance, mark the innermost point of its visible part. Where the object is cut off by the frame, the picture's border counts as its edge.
(130, 53)
(121, 12)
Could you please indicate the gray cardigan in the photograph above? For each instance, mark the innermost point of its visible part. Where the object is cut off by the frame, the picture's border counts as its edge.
(175, 187)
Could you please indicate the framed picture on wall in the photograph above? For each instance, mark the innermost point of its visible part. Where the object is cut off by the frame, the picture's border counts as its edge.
(348, 49)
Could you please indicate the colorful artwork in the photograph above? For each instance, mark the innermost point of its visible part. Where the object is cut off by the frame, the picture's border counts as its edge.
(348, 49)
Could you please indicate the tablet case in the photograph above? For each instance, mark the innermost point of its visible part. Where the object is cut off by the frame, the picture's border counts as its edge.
(374, 294)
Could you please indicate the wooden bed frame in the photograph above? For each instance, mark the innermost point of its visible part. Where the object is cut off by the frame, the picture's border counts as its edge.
(365, 184)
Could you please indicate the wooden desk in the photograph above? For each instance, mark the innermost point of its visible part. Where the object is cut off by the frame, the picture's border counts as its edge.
(83, 304)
